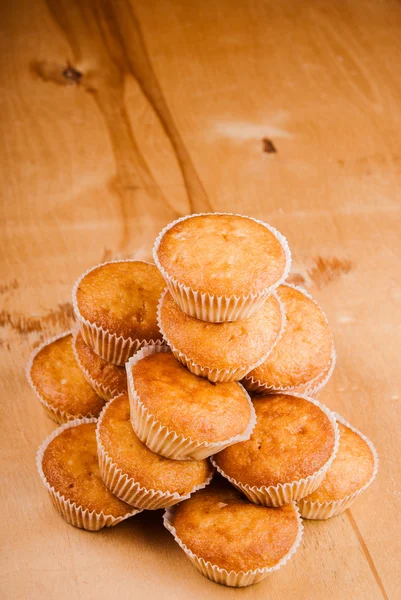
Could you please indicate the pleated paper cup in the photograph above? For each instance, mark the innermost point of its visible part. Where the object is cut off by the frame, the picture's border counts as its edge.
(311, 387)
(130, 491)
(106, 392)
(209, 307)
(222, 576)
(113, 348)
(74, 514)
(53, 412)
(167, 442)
(285, 493)
(214, 374)
(326, 510)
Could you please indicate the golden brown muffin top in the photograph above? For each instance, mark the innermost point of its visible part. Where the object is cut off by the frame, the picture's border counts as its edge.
(351, 469)
(222, 345)
(59, 380)
(293, 438)
(102, 372)
(122, 297)
(150, 470)
(190, 405)
(222, 254)
(220, 525)
(305, 348)
(70, 464)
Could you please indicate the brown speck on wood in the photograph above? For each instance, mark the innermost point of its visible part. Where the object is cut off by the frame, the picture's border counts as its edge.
(72, 75)
(268, 146)
(296, 279)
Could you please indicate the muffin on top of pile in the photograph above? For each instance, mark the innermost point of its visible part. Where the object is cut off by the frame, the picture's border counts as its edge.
(155, 378)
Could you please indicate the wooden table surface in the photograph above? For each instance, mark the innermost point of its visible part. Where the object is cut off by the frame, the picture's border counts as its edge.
(120, 116)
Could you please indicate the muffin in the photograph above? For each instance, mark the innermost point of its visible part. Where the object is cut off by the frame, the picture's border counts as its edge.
(289, 452)
(352, 471)
(231, 540)
(182, 416)
(115, 303)
(221, 351)
(68, 466)
(106, 379)
(219, 266)
(133, 472)
(304, 358)
(59, 383)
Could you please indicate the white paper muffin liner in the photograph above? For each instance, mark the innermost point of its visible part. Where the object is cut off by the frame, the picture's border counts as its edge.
(113, 348)
(285, 493)
(311, 387)
(325, 510)
(106, 392)
(53, 412)
(209, 307)
(131, 491)
(76, 515)
(222, 576)
(165, 441)
(213, 373)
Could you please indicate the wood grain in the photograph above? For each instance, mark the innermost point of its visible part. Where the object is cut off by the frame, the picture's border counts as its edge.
(120, 116)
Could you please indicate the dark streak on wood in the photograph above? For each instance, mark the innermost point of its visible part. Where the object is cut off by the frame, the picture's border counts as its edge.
(367, 554)
(327, 270)
(108, 34)
(296, 279)
(61, 318)
(268, 146)
(8, 287)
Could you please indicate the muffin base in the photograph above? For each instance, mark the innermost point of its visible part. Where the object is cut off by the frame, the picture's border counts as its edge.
(209, 307)
(222, 576)
(311, 387)
(285, 493)
(129, 490)
(73, 513)
(167, 442)
(326, 510)
(113, 348)
(53, 412)
(105, 392)
(212, 373)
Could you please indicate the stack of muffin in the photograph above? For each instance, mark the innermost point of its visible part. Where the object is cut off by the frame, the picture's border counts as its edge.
(148, 389)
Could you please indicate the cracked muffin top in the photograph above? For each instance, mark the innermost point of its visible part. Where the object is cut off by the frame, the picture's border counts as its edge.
(122, 298)
(70, 465)
(304, 351)
(59, 380)
(220, 525)
(222, 345)
(222, 254)
(293, 438)
(150, 470)
(189, 405)
(351, 469)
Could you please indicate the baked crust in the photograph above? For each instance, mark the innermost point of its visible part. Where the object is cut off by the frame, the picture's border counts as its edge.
(304, 351)
(222, 345)
(70, 465)
(122, 298)
(56, 375)
(220, 525)
(240, 257)
(150, 470)
(292, 439)
(190, 405)
(102, 372)
(351, 469)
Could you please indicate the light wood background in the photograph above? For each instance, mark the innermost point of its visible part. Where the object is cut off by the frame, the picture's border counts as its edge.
(119, 116)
